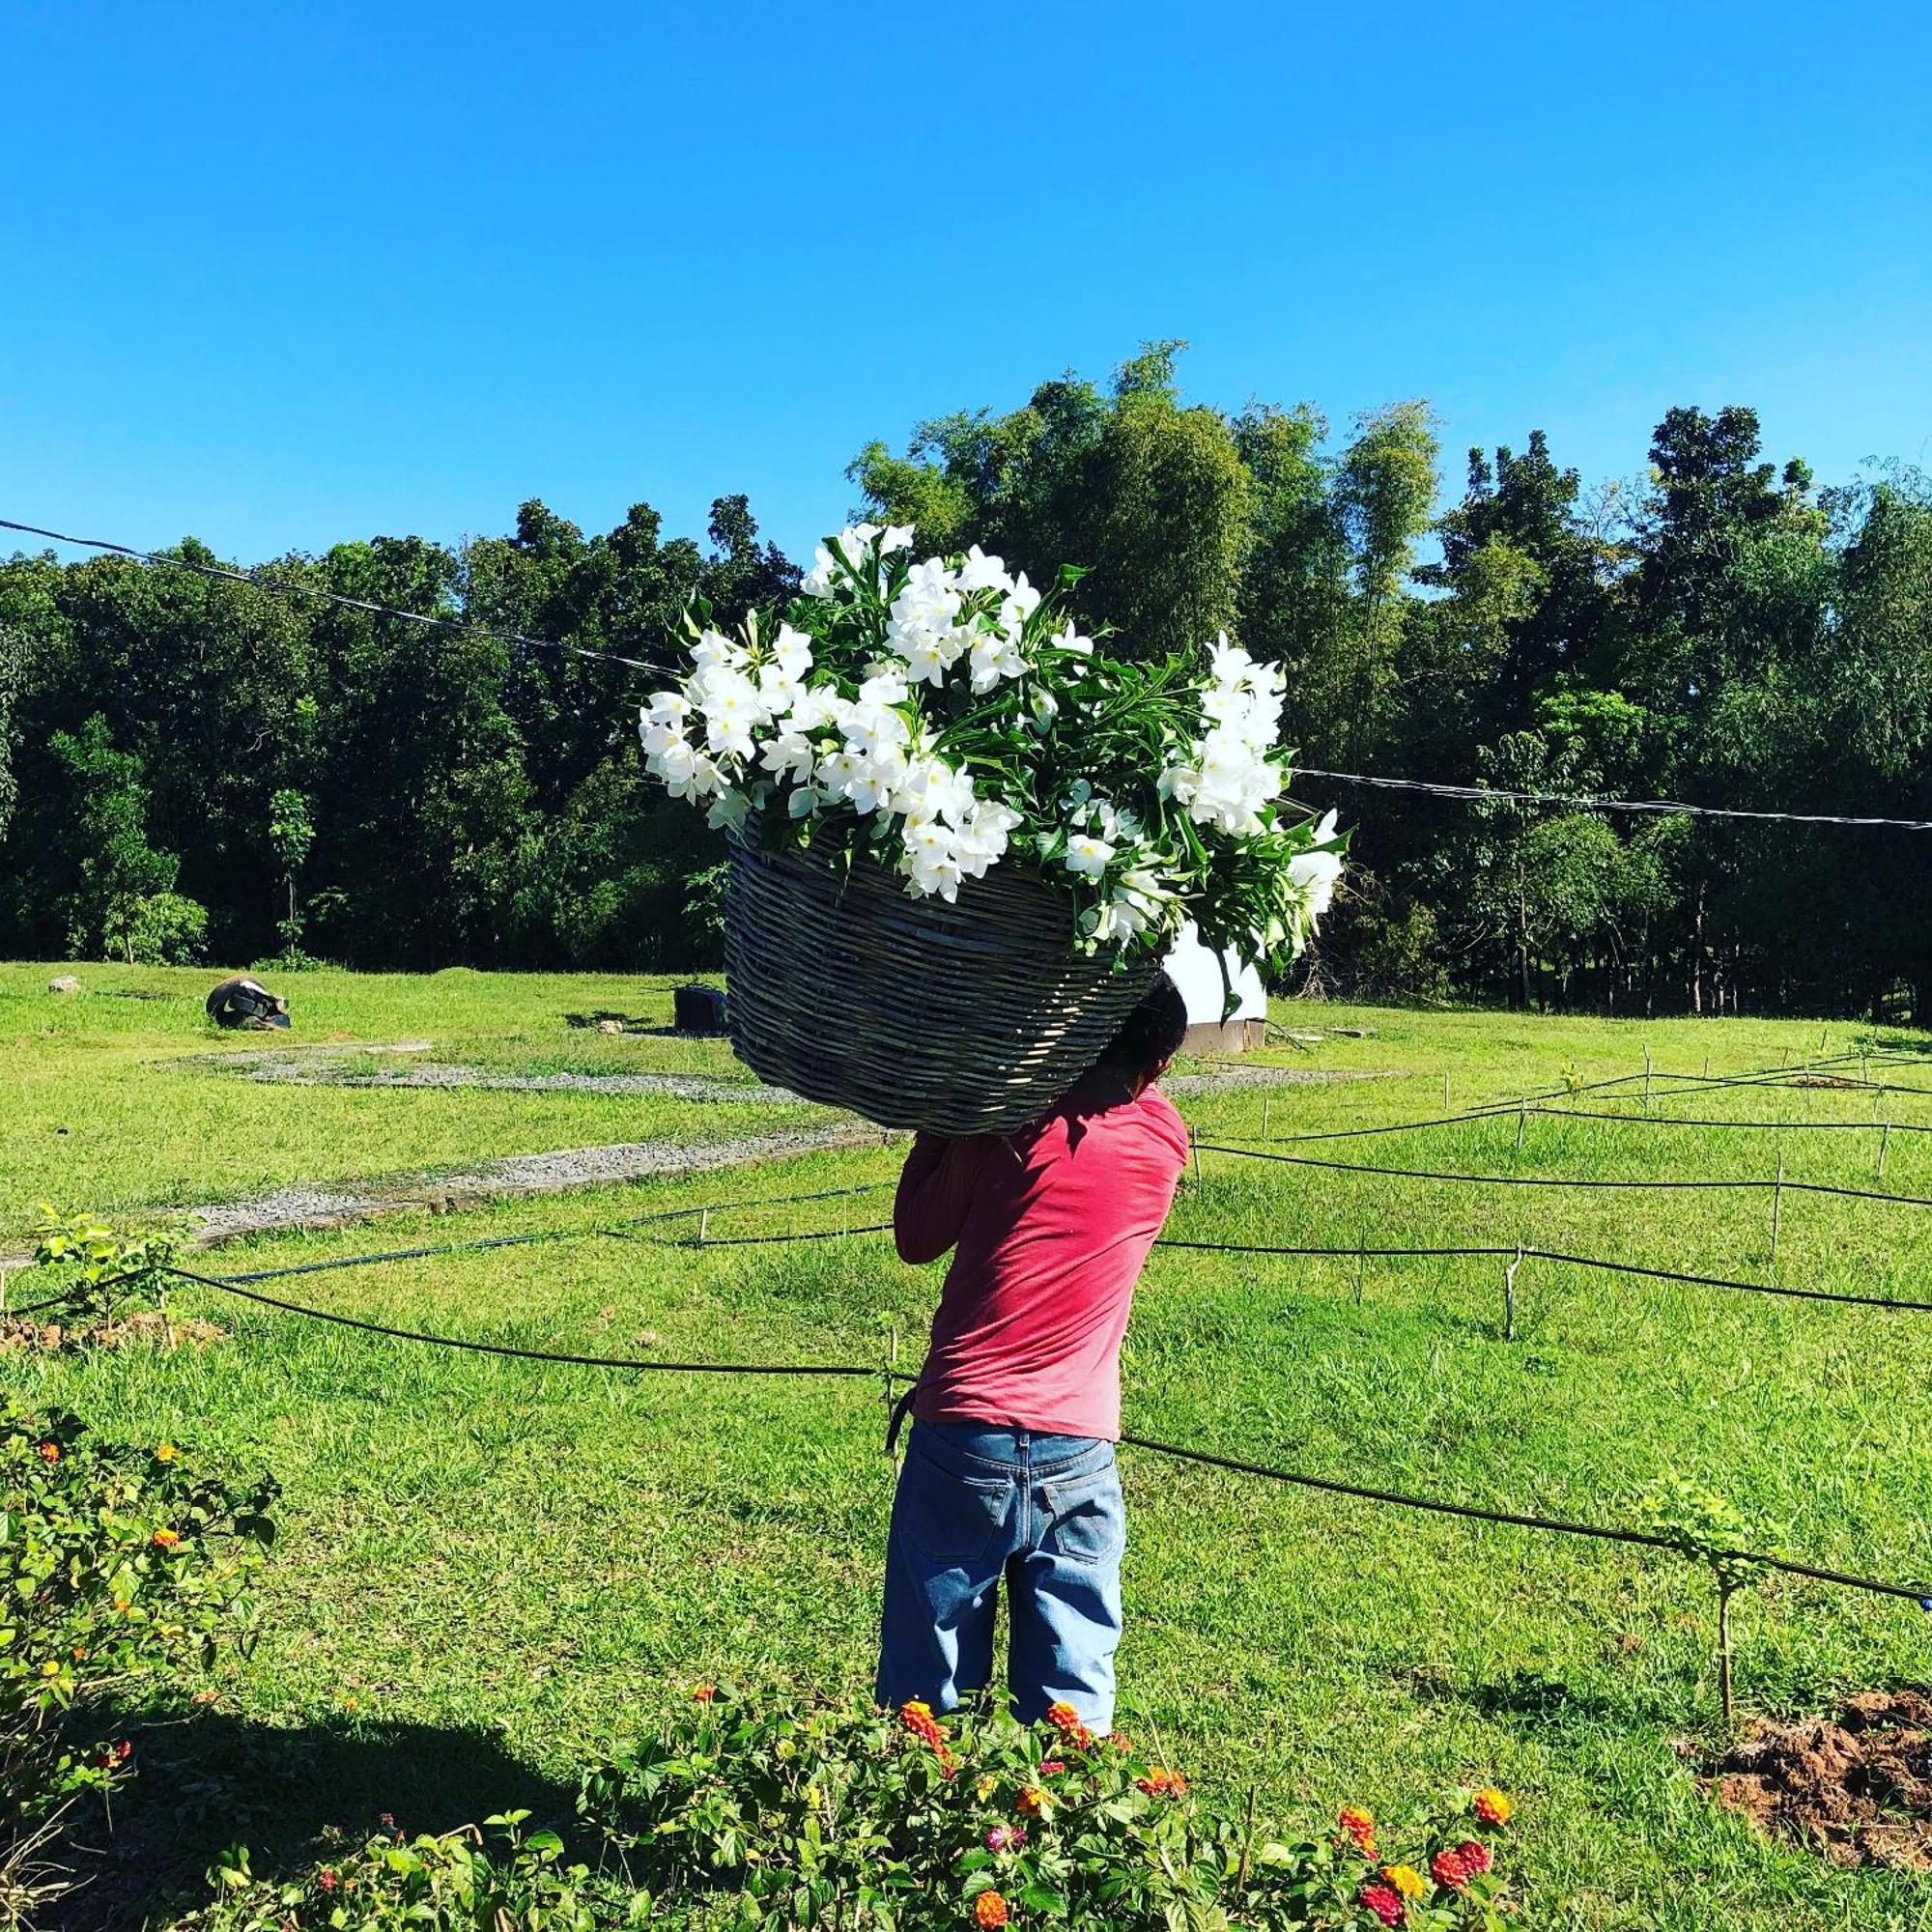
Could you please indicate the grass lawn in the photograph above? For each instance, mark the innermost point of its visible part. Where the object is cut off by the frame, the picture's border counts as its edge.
(489, 1570)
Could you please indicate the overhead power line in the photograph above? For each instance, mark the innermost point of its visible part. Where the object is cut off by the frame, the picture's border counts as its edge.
(1664, 808)
(282, 587)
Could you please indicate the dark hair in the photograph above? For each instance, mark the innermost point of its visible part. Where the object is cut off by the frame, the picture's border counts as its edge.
(1151, 1035)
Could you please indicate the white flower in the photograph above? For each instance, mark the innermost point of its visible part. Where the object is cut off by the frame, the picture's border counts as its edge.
(870, 729)
(852, 542)
(789, 754)
(815, 708)
(874, 780)
(1316, 873)
(929, 861)
(1070, 639)
(1045, 709)
(981, 572)
(1018, 605)
(994, 658)
(665, 707)
(817, 581)
(714, 651)
(927, 663)
(1087, 855)
(897, 536)
(672, 757)
(732, 710)
(883, 687)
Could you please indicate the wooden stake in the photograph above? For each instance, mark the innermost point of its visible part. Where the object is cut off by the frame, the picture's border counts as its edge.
(1646, 1076)
(703, 1224)
(1884, 1135)
(1358, 1270)
(1509, 1295)
(1521, 1122)
(1194, 1147)
(1777, 1206)
(1445, 1091)
(1265, 1102)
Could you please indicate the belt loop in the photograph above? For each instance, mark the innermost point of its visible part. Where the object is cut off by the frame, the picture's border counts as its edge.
(900, 1410)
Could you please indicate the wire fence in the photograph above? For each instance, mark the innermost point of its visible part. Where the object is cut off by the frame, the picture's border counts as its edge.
(649, 1227)
(1918, 1593)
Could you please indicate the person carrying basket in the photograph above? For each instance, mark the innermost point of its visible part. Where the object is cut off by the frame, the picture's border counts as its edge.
(1010, 1464)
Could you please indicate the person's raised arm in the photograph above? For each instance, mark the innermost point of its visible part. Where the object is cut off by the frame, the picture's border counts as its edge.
(935, 1190)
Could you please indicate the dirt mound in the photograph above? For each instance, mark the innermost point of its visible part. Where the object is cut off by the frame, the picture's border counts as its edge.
(1856, 1786)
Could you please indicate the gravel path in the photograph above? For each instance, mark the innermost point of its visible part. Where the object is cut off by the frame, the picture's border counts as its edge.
(434, 1073)
(1238, 1074)
(321, 1067)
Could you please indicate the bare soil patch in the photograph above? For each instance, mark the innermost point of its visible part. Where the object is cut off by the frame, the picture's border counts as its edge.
(1855, 1787)
(143, 1327)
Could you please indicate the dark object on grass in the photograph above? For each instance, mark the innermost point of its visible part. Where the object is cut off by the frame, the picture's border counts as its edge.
(246, 1003)
(698, 1009)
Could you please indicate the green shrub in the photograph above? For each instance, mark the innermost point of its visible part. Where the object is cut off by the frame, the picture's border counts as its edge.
(787, 1815)
(96, 1271)
(157, 930)
(423, 1886)
(114, 1559)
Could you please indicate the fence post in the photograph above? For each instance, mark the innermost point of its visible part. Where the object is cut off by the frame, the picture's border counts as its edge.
(1724, 1593)
(703, 1224)
(1509, 1294)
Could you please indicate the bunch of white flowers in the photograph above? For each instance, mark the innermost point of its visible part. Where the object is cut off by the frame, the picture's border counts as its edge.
(946, 713)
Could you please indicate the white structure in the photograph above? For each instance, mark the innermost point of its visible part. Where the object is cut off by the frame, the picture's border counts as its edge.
(1197, 972)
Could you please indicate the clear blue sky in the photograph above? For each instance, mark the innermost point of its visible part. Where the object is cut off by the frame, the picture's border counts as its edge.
(282, 275)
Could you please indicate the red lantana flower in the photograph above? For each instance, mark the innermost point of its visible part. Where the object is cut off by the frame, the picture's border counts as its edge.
(1447, 1868)
(49, 1452)
(1360, 1825)
(1475, 1857)
(989, 1910)
(1384, 1901)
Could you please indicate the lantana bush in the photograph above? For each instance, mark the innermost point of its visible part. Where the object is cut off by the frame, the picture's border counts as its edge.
(115, 1560)
(755, 1813)
(944, 717)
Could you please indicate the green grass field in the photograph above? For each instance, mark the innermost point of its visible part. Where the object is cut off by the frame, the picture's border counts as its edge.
(489, 1570)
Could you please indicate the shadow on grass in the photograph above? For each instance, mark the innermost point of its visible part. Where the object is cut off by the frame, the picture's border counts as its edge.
(1553, 1710)
(291, 1795)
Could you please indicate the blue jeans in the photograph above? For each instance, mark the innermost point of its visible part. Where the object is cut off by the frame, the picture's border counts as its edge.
(975, 1500)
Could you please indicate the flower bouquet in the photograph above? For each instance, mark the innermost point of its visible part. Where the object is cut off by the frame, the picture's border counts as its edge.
(961, 838)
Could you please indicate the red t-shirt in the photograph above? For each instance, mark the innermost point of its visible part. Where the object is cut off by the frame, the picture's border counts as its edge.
(1051, 1227)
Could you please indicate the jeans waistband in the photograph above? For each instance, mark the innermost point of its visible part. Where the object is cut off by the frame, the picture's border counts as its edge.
(969, 1446)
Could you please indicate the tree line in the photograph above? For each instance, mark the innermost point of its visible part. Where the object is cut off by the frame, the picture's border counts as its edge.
(191, 766)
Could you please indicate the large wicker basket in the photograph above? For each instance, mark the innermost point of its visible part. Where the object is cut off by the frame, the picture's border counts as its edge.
(960, 1019)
